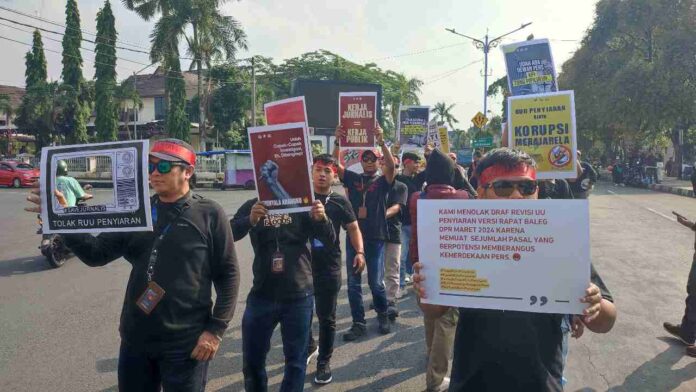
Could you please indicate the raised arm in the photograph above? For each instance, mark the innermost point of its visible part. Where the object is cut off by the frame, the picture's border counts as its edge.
(388, 165)
(336, 153)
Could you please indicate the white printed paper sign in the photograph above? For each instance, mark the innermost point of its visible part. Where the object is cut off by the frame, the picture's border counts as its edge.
(524, 255)
(123, 206)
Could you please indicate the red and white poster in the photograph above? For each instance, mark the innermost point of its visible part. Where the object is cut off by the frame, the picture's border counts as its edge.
(279, 154)
(357, 114)
(290, 110)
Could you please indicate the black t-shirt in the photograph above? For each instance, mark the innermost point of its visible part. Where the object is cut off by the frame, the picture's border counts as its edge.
(374, 227)
(498, 350)
(397, 195)
(327, 260)
(412, 185)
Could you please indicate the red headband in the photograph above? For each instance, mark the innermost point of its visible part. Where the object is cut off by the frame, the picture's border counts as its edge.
(493, 172)
(175, 150)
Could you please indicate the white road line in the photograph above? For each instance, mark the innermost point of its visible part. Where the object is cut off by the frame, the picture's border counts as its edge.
(647, 208)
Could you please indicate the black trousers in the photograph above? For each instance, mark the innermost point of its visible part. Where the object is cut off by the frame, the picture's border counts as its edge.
(326, 290)
(688, 324)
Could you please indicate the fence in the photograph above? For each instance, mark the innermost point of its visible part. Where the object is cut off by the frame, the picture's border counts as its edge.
(209, 165)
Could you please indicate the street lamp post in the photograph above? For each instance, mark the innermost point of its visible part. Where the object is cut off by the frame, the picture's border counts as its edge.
(486, 46)
(135, 106)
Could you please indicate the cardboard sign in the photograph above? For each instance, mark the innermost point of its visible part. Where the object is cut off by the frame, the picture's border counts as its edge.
(444, 139)
(530, 67)
(413, 125)
(524, 255)
(290, 110)
(543, 125)
(358, 116)
(280, 157)
(438, 136)
(124, 207)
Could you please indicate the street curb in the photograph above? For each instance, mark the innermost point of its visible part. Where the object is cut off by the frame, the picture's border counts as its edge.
(670, 189)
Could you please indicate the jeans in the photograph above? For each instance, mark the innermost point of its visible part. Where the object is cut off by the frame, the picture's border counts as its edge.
(406, 267)
(374, 257)
(260, 319)
(142, 370)
(325, 296)
(566, 324)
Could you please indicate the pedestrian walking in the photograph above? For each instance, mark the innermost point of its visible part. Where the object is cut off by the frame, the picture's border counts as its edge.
(326, 262)
(508, 350)
(368, 193)
(686, 330)
(282, 291)
(170, 326)
(392, 247)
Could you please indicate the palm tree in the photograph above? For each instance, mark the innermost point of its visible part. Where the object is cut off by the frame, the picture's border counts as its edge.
(126, 94)
(443, 113)
(214, 36)
(6, 107)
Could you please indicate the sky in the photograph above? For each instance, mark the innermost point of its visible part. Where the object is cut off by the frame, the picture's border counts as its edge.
(402, 35)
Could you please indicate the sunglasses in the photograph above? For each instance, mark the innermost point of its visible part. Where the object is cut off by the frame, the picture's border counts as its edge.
(163, 167)
(505, 188)
(369, 159)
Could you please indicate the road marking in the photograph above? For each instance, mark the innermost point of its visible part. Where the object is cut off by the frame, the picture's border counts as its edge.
(645, 208)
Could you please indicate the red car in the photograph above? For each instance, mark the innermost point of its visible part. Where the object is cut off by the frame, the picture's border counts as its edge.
(17, 174)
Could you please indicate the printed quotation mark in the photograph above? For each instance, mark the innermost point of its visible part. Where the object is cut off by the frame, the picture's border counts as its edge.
(542, 300)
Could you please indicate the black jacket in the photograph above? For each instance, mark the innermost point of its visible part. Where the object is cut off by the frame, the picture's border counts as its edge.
(292, 233)
(197, 252)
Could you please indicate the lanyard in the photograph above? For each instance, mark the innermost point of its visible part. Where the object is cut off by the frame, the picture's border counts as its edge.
(158, 240)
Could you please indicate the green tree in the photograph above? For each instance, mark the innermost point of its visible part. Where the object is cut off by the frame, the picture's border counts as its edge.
(33, 106)
(6, 107)
(443, 113)
(178, 124)
(106, 122)
(35, 62)
(76, 111)
(127, 97)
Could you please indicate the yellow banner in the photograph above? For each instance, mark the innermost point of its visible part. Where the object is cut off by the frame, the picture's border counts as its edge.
(444, 139)
(543, 125)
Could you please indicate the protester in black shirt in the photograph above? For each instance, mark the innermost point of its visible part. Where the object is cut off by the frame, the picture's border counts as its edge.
(326, 261)
(282, 290)
(508, 350)
(410, 162)
(396, 201)
(368, 194)
(169, 341)
(583, 184)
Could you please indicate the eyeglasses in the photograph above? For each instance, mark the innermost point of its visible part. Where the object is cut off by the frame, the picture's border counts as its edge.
(369, 159)
(505, 188)
(163, 167)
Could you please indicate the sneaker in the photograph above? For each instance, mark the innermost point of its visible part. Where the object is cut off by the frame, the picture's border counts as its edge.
(408, 279)
(675, 330)
(356, 331)
(384, 324)
(443, 387)
(392, 311)
(312, 351)
(323, 374)
(371, 306)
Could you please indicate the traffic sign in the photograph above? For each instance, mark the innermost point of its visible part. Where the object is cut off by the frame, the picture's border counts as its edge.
(479, 120)
(483, 141)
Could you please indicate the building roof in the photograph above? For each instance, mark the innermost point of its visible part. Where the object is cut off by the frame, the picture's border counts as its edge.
(152, 85)
(16, 94)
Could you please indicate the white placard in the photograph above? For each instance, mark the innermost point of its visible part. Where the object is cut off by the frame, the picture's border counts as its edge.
(125, 208)
(525, 255)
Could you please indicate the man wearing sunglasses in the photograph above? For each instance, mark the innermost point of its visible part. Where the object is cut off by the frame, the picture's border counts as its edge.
(170, 326)
(368, 193)
(507, 350)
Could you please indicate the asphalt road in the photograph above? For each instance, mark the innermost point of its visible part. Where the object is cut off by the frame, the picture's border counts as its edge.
(58, 328)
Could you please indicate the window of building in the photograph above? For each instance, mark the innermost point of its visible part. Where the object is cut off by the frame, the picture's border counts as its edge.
(160, 108)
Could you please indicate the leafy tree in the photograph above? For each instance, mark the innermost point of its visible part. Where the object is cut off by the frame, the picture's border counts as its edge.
(6, 107)
(33, 107)
(178, 125)
(443, 113)
(126, 97)
(75, 124)
(106, 122)
(35, 62)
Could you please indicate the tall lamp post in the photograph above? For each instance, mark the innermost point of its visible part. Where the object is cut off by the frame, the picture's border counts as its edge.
(486, 46)
(135, 107)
